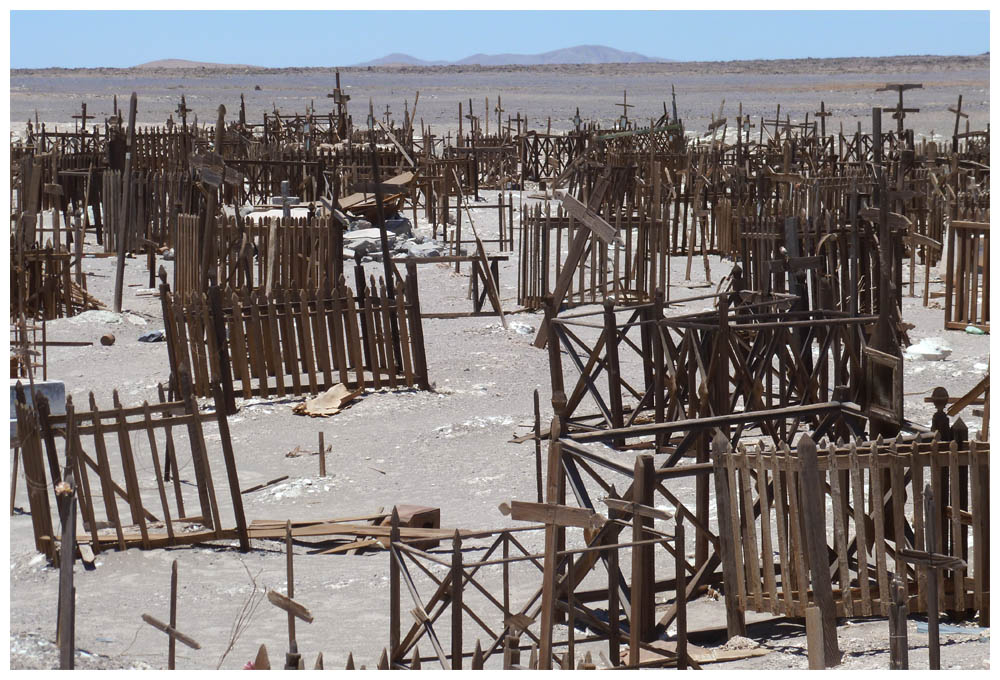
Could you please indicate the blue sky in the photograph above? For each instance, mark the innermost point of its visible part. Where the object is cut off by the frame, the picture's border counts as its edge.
(340, 38)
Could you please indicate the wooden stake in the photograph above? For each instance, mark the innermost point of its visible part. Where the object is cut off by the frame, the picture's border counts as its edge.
(322, 456)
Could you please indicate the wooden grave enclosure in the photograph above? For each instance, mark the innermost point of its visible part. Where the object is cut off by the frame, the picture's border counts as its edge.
(132, 467)
(967, 293)
(869, 514)
(491, 584)
(264, 255)
(633, 364)
(298, 341)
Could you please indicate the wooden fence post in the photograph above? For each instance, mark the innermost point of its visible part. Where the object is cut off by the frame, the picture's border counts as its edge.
(735, 616)
(813, 506)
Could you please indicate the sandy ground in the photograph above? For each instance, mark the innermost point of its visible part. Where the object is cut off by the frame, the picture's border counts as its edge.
(847, 86)
(448, 448)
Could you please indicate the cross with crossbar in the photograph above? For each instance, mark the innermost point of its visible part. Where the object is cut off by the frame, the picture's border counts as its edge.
(288, 604)
(899, 113)
(822, 115)
(932, 562)
(498, 109)
(183, 111)
(625, 107)
(83, 117)
(171, 628)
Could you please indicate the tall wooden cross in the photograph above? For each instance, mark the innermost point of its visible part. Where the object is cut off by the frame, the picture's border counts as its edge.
(183, 111)
(959, 115)
(576, 119)
(899, 113)
(822, 115)
(83, 117)
(625, 107)
(498, 109)
(473, 120)
(171, 628)
(387, 114)
(520, 120)
(288, 604)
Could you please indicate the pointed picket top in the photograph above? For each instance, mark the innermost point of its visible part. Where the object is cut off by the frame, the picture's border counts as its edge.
(319, 662)
(350, 662)
(383, 661)
(566, 662)
(477, 658)
(959, 430)
(720, 443)
(261, 662)
(533, 659)
(415, 661)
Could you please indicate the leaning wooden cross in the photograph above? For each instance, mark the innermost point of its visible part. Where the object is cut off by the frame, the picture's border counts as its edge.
(295, 610)
(171, 628)
(596, 225)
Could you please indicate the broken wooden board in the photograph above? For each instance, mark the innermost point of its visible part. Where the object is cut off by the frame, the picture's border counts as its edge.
(328, 403)
(597, 224)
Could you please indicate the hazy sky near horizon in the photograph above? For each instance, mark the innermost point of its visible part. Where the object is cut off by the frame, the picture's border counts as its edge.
(79, 39)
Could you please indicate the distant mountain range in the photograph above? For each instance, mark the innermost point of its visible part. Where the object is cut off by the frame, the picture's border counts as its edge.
(184, 63)
(581, 54)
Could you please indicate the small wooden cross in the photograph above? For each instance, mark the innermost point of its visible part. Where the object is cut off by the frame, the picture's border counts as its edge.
(931, 562)
(171, 628)
(387, 114)
(83, 117)
(822, 115)
(287, 603)
(625, 107)
(577, 120)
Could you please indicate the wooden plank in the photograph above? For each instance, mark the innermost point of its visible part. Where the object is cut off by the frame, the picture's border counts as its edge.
(781, 521)
(750, 550)
(814, 508)
(958, 575)
(877, 501)
(861, 539)
(274, 357)
(840, 537)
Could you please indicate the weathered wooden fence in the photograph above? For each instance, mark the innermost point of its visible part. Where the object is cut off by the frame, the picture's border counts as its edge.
(967, 283)
(299, 341)
(869, 510)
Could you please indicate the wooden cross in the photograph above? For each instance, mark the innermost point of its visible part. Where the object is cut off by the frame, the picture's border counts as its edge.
(498, 109)
(822, 115)
(959, 115)
(553, 516)
(83, 116)
(577, 120)
(900, 113)
(287, 603)
(473, 120)
(931, 562)
(625, 107)
(183, 111)
(520, 120)
(171, 628)
(387, 114)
